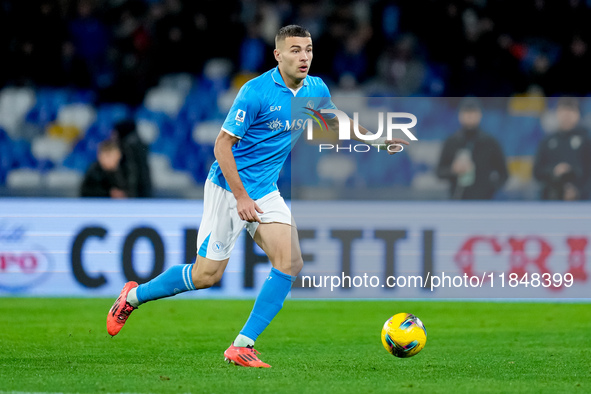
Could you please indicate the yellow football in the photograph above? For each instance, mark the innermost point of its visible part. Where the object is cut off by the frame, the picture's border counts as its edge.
(404, 335)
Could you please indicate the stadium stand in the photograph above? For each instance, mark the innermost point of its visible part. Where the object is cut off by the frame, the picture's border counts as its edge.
(51, 120)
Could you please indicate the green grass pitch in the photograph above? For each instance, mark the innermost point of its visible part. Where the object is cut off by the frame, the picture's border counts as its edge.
(176, 346)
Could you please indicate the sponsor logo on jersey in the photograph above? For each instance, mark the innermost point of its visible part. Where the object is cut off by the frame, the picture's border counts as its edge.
(275, 125)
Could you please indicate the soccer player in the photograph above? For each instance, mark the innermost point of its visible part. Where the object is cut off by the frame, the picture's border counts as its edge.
(241, 191)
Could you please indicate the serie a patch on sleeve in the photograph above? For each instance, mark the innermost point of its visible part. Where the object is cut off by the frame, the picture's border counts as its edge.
(240, 115)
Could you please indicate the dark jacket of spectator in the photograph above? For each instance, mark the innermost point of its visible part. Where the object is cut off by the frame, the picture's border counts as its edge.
(135, 160)
(573, 149)
(105, 177)
(99, 182)
(489, 168)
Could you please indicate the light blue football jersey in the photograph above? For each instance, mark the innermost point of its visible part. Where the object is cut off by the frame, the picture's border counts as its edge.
(263, 119)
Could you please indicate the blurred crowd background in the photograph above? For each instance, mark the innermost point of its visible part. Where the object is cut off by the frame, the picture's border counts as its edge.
(76, 72)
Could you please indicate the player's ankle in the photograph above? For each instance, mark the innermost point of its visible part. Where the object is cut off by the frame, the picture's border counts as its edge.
(243, 341)
(132, 298)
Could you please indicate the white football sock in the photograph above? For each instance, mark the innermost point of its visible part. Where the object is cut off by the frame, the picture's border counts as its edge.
(242, 341)
(132, 297)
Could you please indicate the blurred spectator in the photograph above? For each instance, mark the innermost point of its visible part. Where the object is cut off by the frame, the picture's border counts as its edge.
(121, 48)
(351, 59)
(253, 49)
(174, 52)
(39, 42)
(400, 67)
(566, 76)
(90, 38)
(471, 159)
(563, 160)
(133, 60)
(104, 177)
(134, 163)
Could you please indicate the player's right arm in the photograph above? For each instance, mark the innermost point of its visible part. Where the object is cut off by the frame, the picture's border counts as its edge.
(240, 117)
(247, 208)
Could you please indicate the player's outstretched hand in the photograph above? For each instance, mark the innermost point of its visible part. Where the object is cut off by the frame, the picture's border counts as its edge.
(397, 141)
(247, 210)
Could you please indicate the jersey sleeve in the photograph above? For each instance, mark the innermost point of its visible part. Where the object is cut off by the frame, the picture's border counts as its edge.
(326, 101)
(243, 112)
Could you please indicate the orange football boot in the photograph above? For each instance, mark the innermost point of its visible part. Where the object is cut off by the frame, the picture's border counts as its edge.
(120, 310)
(244, 356)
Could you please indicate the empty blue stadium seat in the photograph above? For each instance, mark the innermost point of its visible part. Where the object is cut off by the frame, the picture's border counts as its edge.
(165, 145)
(518, 136)
(22, 155)
(199, 105)
(6, 158)
(82, 155)
(304, 164)
(16, 154)
(48, 101)
(382, 170)
(165, 124)
(82, 96)
(493, 121)
(108, 115)
(194, 158)
(79, 161)
(181, 130)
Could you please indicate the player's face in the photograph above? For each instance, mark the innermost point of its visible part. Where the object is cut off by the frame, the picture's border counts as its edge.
(294, 55)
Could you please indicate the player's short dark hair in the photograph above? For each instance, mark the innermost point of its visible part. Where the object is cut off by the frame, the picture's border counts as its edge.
(291, 31)
(569, 103)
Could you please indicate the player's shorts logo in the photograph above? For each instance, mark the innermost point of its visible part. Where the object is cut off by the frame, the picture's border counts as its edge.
(217, 246)
(240, 115)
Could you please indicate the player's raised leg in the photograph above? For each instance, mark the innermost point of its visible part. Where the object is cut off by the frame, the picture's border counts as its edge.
(175, 280)
(280, 243)
(222, 226)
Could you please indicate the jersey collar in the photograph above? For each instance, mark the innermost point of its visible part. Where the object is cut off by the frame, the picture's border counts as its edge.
(276, 75)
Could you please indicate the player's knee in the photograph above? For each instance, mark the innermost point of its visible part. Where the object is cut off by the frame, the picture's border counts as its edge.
(291, 266)
(297, 264)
